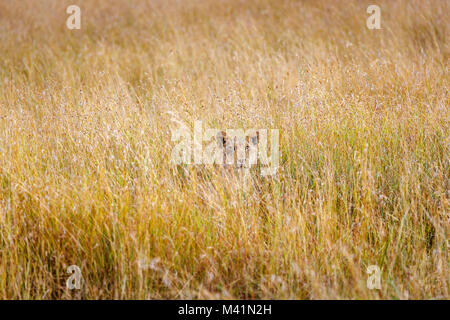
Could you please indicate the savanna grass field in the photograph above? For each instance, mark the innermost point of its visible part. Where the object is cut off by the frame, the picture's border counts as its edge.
(86, 122)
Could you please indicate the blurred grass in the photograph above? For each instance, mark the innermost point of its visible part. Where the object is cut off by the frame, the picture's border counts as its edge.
(85, 143)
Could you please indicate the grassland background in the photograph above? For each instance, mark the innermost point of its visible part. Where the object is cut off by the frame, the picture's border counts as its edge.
(85, 143)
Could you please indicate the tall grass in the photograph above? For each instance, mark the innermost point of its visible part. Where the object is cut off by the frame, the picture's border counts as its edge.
(85, 147)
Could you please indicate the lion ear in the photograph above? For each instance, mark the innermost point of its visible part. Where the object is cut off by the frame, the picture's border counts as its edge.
(221, 139)
(255, 138)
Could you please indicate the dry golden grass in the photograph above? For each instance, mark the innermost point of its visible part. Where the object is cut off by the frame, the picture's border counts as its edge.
(85, 144)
